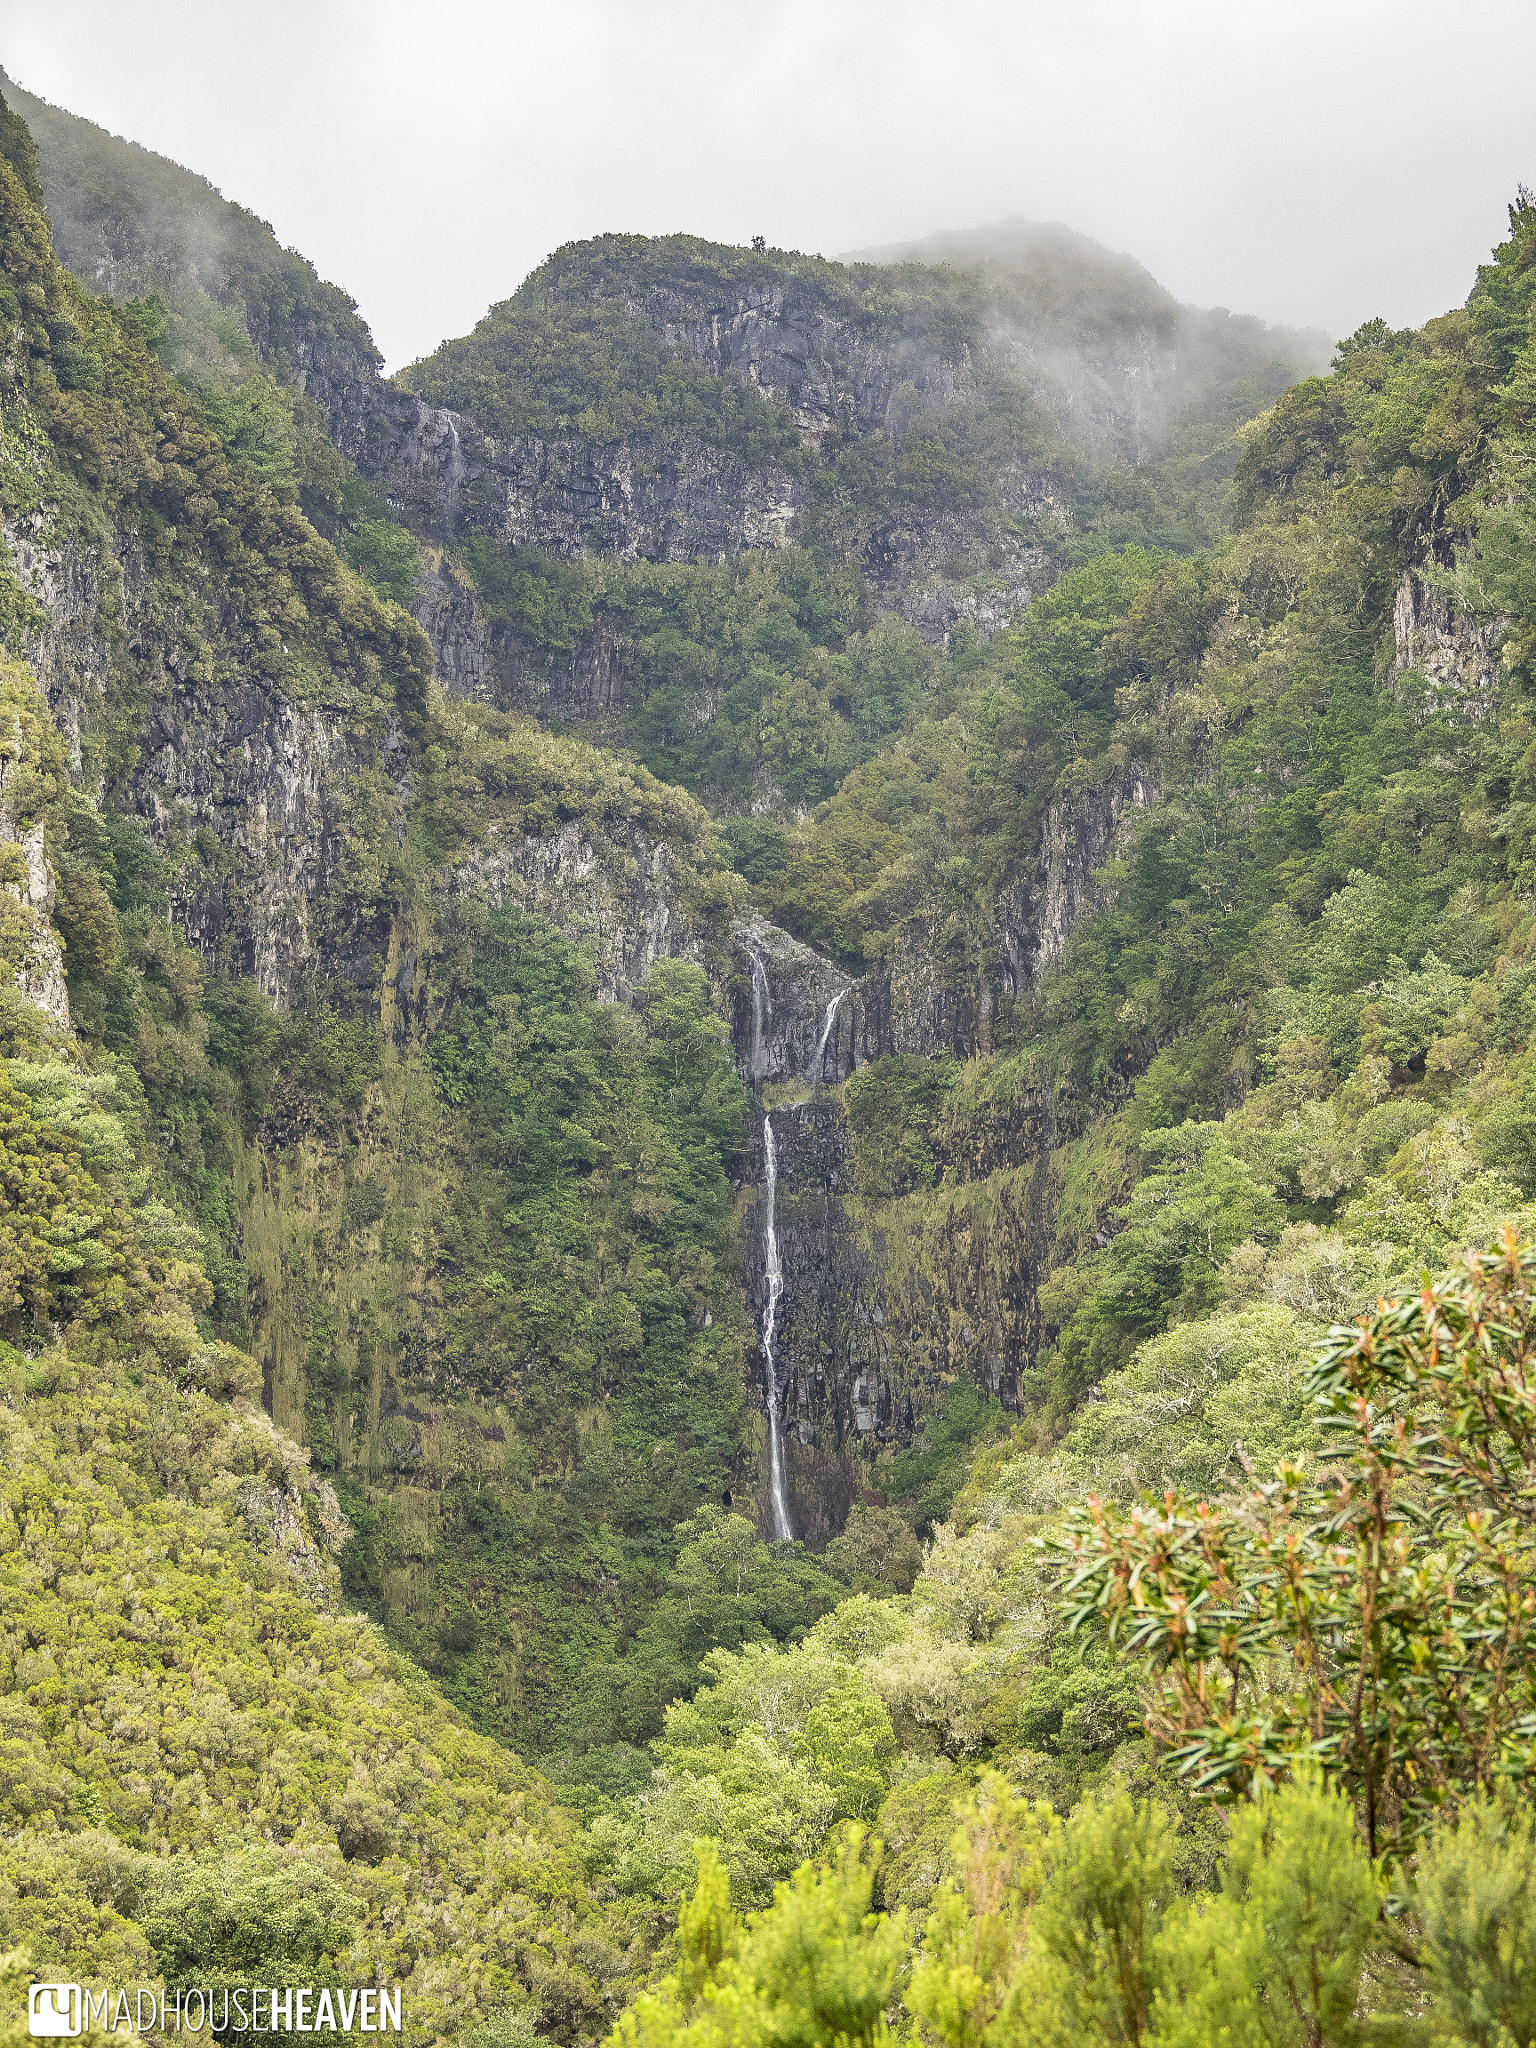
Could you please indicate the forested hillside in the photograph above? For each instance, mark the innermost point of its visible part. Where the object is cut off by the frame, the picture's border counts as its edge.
(744, 873)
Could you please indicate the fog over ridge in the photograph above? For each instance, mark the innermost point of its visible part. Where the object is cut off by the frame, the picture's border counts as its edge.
(429, 167)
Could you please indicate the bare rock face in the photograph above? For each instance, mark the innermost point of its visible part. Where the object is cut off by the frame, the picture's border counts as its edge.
(888, 1302)
(791, 1009)
(1448, 661)
(261, 784)
(446, 608)
(475, 658)
(422, 456)
(616, 890)
(939, 991)
(1035, 919)
(269, 780)
(683, 502)
(29, 944)
(68, 650)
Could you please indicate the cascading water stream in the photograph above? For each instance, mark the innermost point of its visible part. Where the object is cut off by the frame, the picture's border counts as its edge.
(773, 1276)
(773, 1270)
(762, 1012)
(813, 1071)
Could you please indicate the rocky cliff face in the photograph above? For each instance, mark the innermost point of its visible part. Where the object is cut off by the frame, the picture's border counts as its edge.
(585, 683)
(1453, 659)
(685, 499)
(683, 502)
(29, 946)
(616, 891)
(887, 1303)
(1036, 917)
(888, 1300)
(257, 792)
(1045, 348)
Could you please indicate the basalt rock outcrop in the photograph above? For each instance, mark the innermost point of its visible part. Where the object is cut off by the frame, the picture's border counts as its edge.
(263, 787)
(888, 1299)
(1451, 657)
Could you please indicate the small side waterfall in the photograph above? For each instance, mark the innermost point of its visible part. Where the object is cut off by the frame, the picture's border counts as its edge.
(813, 1071)
(773, 1277)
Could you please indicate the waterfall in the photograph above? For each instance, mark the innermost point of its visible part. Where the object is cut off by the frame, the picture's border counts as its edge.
(773, 1276)
(813, 1071)
(762, 1011)
(456, 472)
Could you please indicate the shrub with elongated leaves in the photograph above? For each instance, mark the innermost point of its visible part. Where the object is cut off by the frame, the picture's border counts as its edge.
(1373, 1614)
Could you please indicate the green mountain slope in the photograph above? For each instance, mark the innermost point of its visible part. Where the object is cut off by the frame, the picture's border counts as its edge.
(1124, 992)
(209, 1770)
(1210, 887)
(505, 1189)
(131, 223)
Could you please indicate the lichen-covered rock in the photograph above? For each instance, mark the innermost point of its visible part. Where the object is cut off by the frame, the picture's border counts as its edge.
(1453, 659)
(272, 791)
(617, 890)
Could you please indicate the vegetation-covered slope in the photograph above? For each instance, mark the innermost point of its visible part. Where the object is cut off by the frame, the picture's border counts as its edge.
(130, 223)
(210, 1771)
(527, 1186)
(1295, 1021)
(336, 1087)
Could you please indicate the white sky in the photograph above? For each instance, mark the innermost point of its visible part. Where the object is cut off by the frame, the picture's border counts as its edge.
(1315, 162)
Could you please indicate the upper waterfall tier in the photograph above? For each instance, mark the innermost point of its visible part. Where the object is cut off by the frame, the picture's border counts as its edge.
(782, 1025)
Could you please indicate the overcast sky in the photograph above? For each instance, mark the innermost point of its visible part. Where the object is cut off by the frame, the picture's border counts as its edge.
(1314, 162)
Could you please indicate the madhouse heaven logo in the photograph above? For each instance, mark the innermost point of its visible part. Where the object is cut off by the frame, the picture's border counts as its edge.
(64, 2010)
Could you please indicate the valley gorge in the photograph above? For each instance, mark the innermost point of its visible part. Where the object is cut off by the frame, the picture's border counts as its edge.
(666, 982)
(279, 794)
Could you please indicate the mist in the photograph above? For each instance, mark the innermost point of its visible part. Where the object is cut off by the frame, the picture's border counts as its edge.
(1311, 164)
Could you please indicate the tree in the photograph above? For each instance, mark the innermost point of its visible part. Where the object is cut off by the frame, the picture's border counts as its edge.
(878, 1552)
(66, 1245)
(228, 1914)
(1374, 1616)
(1198, 1200)
(728, 1589)
(1275, 1960)
(1475, 1895)
(1069, 1933)
(818, 1967)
